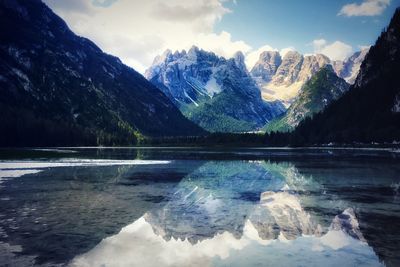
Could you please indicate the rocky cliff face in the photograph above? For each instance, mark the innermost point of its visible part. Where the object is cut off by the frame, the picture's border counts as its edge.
(289, 69)
(216, 93)
(311, 65)
(283, 79)
(266, 66)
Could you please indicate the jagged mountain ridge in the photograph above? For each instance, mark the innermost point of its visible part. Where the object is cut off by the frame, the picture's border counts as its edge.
(369, 111)
(315, 95)
(349, 68)
(64, 90)
(216, 93)
(282, 78)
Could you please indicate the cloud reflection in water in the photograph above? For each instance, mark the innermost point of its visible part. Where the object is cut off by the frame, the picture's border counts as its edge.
(208, 222)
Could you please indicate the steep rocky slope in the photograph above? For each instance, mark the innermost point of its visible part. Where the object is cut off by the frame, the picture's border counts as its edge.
(316, 94)
(216, 93)
(282, 78)
(369, 111)
(60, 89)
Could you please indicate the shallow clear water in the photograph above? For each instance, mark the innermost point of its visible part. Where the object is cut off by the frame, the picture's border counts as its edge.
(199, 207)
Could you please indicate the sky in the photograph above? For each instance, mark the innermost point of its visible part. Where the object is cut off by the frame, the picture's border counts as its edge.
(137, 31)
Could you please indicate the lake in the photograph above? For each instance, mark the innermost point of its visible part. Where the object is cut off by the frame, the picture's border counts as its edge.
(199, 207)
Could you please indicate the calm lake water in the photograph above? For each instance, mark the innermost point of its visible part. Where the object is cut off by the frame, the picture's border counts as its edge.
(199, 207)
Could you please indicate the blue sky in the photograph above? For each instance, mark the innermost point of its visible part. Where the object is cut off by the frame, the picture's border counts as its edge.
(297, 23)
(137, 31)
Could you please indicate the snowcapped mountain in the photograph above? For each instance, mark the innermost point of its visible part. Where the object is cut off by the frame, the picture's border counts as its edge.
(349, 68)
(217, 93)
(222, 95)
(282, 78)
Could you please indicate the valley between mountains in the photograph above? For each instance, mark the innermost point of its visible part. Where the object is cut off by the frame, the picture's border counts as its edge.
(61, 89)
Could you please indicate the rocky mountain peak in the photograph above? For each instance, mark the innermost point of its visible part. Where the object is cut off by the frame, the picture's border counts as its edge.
(266, 66)
(281, 79)
(163, 57)
(349, 68)
(240, 60)
(270, 56)
(289, 69)
(214, 92)
(311, 64)
(193, 51)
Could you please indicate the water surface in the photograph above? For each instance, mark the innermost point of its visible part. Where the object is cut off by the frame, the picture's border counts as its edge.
(199, 207)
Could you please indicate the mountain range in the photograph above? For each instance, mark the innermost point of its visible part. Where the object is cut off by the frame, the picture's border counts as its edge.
(281, 78)
(61, 89)
(370, 110)
(315, 95)
(221, 95)
(216, 93)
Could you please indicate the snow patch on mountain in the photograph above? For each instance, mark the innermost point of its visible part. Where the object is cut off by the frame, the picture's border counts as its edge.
(212, 87)
(349, 68)
(285, 94)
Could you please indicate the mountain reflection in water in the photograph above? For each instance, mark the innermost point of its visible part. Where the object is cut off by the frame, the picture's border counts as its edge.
(239, 213)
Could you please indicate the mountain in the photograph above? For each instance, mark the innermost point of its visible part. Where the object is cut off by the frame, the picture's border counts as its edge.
(349, 68)
(370, 110)
(282, 78)
(266, 67)
(317, 93)
(216, 93)
(61, 89)
(240, 61)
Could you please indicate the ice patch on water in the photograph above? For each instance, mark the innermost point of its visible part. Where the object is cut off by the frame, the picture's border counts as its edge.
(55, 150)
(13, 169)
(15, 173)
(7, 165)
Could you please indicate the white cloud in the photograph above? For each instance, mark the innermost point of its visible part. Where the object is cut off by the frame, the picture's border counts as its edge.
(189, 11)
(137, 31)
(319, 44)
(366, 8)
(283, 51)
(335, 51)
(221, 44)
